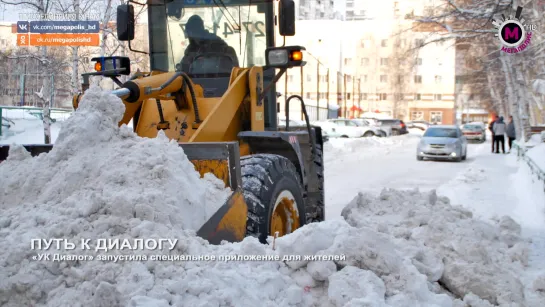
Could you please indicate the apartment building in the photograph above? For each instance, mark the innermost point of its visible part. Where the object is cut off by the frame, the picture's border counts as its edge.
(371, 68)
(316, 9)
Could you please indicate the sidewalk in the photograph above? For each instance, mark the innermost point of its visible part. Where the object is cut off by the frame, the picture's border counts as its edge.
(495, 185)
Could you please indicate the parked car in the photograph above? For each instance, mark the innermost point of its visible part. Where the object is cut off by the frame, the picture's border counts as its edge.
(378, 131)
(418, 124)
(343, 128)
(299, 125)
(397, 125)
(442, 142)
(474, 132)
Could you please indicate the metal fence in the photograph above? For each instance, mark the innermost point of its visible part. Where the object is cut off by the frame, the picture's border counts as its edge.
(316, 113)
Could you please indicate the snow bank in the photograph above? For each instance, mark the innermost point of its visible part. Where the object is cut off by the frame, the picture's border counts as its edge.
(336, 147)
(103, 182)
(456, 252)
(25, 128)
(537, 154)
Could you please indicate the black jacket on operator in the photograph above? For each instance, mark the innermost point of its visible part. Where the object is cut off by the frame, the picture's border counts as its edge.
(201, 43)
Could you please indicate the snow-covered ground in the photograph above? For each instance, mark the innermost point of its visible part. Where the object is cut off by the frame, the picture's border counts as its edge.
(401, 247)
(26, 128)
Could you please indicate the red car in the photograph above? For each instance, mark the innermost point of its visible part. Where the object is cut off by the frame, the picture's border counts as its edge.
(474, 132)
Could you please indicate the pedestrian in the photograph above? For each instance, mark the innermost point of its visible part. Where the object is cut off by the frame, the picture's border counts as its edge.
(511, 133)
(491, 128)
(499, 134)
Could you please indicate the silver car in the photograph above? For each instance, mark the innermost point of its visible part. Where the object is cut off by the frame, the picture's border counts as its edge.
(442, 142)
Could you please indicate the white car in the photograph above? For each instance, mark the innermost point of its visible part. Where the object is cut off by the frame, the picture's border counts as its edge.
(344, 128)
(378, 131)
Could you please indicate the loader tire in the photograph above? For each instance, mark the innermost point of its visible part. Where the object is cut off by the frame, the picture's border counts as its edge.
(273, 193)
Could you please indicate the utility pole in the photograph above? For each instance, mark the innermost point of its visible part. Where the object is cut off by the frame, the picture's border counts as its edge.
(327, 92)
(344, 94)
(353, 92)
(359, 94)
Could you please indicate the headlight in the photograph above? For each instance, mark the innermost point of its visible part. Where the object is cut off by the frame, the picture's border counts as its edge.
(285, 57)
(278, 57)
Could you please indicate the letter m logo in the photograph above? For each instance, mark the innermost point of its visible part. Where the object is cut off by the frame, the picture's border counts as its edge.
(514, 33)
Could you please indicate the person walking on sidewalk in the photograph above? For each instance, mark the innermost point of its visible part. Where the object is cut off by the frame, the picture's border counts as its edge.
(511, 133)
(499, 134)
(491, 128)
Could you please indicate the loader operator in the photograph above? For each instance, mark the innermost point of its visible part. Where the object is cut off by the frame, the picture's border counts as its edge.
(207, 53)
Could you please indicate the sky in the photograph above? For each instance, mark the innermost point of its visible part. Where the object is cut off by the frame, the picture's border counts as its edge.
(11, 12)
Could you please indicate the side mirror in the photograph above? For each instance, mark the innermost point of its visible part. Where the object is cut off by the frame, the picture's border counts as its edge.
(125, 22)
(286, 16)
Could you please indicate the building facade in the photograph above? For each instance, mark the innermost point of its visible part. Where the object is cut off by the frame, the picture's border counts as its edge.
(370, 66)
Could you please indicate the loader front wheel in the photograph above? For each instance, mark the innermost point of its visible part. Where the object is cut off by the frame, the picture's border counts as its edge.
(273, 193)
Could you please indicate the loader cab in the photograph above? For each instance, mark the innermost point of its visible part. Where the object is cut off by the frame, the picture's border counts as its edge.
(236, 33)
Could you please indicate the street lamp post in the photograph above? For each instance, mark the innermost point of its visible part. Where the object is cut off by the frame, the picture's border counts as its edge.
(327, 93)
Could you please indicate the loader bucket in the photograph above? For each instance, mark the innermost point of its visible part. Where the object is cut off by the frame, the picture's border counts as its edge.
(220, 158)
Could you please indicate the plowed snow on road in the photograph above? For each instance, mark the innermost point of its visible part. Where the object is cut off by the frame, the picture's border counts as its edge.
(390, 248)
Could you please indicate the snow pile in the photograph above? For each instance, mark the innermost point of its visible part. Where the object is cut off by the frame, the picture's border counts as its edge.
(343, 149)
(347, 145)
(457, 253)
(537, 154)
(530, 189)
(22, 127)
(103, 182)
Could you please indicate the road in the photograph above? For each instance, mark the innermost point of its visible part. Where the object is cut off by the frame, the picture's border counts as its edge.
(372, 168)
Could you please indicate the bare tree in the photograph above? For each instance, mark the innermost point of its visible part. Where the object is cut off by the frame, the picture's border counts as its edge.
(41, 7)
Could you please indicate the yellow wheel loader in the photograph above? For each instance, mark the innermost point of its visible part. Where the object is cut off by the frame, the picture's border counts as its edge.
(222, 110)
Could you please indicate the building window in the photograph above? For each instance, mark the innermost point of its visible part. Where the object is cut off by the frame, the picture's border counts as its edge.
(85, 60)
(365, 61)
(383, 78)
(383, 61)
(438, 79)
(348, 78)
(362, 43)
(437, 97)
(419, 61)
(436, 117)
(307, 95)
(384, 43)
(417, 115)
(347, 61)
(400, 79)
(417, 96)
(417, 79)
(323, 78)
(364, 96)
(383, 96)
(418, 42)
(364, 78)
(348, 96)
(309, 77)
(322, 95)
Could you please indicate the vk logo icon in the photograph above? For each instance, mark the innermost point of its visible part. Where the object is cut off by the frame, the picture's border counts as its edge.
(23, 27)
